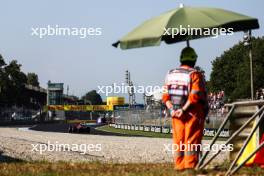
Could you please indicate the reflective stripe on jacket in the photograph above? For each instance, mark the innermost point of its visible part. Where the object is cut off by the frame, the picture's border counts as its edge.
(178, 85)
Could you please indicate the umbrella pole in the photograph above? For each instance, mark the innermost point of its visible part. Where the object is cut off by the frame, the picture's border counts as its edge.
(188, 43)
(251, 68)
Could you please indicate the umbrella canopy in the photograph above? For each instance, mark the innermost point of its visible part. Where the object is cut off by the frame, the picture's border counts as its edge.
(160, 28)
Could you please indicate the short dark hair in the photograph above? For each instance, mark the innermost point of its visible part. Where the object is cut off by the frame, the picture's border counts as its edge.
(189, 63)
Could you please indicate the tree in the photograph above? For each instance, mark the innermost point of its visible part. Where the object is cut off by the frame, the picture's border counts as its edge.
(92, 97)
(2, 62)
(231, 71)
(2, 81)
(15, 83)
(12, 84)
(32, 79)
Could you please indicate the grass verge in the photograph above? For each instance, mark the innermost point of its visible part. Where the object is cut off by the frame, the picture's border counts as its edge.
(134, 133)
(105, 169)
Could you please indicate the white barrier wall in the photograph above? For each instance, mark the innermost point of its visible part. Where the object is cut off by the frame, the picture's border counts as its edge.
(160, 129)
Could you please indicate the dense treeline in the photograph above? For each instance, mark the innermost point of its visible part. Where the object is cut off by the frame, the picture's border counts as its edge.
(12, 83)
(231, 71)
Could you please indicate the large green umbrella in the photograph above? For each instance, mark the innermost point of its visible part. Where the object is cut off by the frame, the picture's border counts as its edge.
(153, 31)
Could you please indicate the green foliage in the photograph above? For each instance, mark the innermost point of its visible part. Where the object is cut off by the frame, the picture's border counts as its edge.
(12, 84)
(2, 62)
(231, 71)
(32, 79)
(93, 98)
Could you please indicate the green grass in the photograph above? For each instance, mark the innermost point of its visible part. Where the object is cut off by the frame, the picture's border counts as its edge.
(134, 133)
(144, 133)
(106, 169)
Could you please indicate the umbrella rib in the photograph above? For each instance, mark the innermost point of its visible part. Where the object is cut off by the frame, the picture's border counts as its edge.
(204, 13)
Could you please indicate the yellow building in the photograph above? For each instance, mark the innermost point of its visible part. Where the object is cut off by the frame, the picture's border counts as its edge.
(115, 101)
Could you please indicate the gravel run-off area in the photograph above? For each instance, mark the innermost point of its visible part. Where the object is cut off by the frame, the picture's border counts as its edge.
(24, 144)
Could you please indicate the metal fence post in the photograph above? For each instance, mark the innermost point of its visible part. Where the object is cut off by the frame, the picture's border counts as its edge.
(233, 136)
(216, 136)
(245, 144)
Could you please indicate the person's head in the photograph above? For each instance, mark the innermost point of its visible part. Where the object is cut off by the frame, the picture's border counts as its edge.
(188, 57)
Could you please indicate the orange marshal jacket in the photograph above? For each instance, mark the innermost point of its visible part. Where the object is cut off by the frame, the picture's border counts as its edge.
(197, 93)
